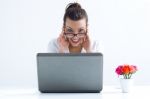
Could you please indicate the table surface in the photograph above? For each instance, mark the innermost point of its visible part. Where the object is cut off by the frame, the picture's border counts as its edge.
(108, 92)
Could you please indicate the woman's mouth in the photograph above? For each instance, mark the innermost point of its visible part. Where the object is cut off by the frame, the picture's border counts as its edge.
(75, 41)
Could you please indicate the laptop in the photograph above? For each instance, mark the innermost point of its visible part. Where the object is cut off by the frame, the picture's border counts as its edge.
(70, 72)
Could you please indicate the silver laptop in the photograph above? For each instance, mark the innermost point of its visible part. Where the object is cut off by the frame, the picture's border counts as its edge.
(66, 72)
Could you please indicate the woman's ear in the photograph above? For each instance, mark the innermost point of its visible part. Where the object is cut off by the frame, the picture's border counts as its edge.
(63, 29)
(64, 25)
(87, 25)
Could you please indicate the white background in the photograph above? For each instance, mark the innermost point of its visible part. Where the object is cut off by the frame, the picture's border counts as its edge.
(26, 27)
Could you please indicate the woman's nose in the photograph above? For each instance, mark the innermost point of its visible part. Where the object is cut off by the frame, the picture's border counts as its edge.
(75, 37)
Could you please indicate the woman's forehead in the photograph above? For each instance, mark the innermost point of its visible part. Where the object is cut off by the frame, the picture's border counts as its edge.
(76, 24)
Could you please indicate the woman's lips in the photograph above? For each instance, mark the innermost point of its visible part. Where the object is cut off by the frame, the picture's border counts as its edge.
(75, 41)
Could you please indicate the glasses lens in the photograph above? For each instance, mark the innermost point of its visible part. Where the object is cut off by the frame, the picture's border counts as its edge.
(81, 35)
(71, 35)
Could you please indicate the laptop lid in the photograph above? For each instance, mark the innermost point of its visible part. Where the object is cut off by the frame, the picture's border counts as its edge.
(68, 72)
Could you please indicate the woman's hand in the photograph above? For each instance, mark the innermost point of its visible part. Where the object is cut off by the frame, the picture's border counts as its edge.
(87, 43)
(62, 42)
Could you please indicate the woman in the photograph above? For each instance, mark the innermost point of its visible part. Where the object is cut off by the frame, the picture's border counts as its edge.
(74, 37)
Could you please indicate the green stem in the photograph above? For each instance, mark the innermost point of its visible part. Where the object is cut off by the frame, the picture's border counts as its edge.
(130, 75)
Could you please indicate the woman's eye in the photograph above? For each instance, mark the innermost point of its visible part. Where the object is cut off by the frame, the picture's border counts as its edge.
(81, 31)
(69, 30)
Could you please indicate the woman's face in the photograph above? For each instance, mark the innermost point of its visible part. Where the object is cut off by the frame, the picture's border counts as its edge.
(75, 31)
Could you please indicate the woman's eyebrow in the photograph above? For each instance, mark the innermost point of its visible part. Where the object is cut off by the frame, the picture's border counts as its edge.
(81, 28)
(69, 27)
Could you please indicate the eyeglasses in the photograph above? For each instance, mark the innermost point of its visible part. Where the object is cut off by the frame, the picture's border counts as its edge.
(71, 35)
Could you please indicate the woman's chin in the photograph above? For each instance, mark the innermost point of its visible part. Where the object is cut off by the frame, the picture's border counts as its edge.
(75, 44)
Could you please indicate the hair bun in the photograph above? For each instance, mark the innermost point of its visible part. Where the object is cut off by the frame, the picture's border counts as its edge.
(73, 6)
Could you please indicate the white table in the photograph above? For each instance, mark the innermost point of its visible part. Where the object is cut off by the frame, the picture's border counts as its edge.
(108, 92)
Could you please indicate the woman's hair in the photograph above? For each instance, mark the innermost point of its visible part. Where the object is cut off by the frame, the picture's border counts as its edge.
(75, 12)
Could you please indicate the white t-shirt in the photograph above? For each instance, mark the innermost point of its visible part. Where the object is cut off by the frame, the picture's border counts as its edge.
(53, 47)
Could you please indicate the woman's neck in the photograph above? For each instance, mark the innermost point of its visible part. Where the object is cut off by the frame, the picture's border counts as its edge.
(73, 49)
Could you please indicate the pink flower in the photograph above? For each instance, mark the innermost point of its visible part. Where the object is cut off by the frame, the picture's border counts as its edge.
(133, 69)
(119, 70)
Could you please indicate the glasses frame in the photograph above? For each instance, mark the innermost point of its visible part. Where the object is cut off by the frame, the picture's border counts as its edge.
(65, 33)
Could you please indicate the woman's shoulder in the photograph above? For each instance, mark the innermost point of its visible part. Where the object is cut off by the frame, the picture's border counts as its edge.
(53, 41)
(53, 45)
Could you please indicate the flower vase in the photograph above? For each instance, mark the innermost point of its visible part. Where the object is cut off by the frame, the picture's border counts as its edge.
(126, 85)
